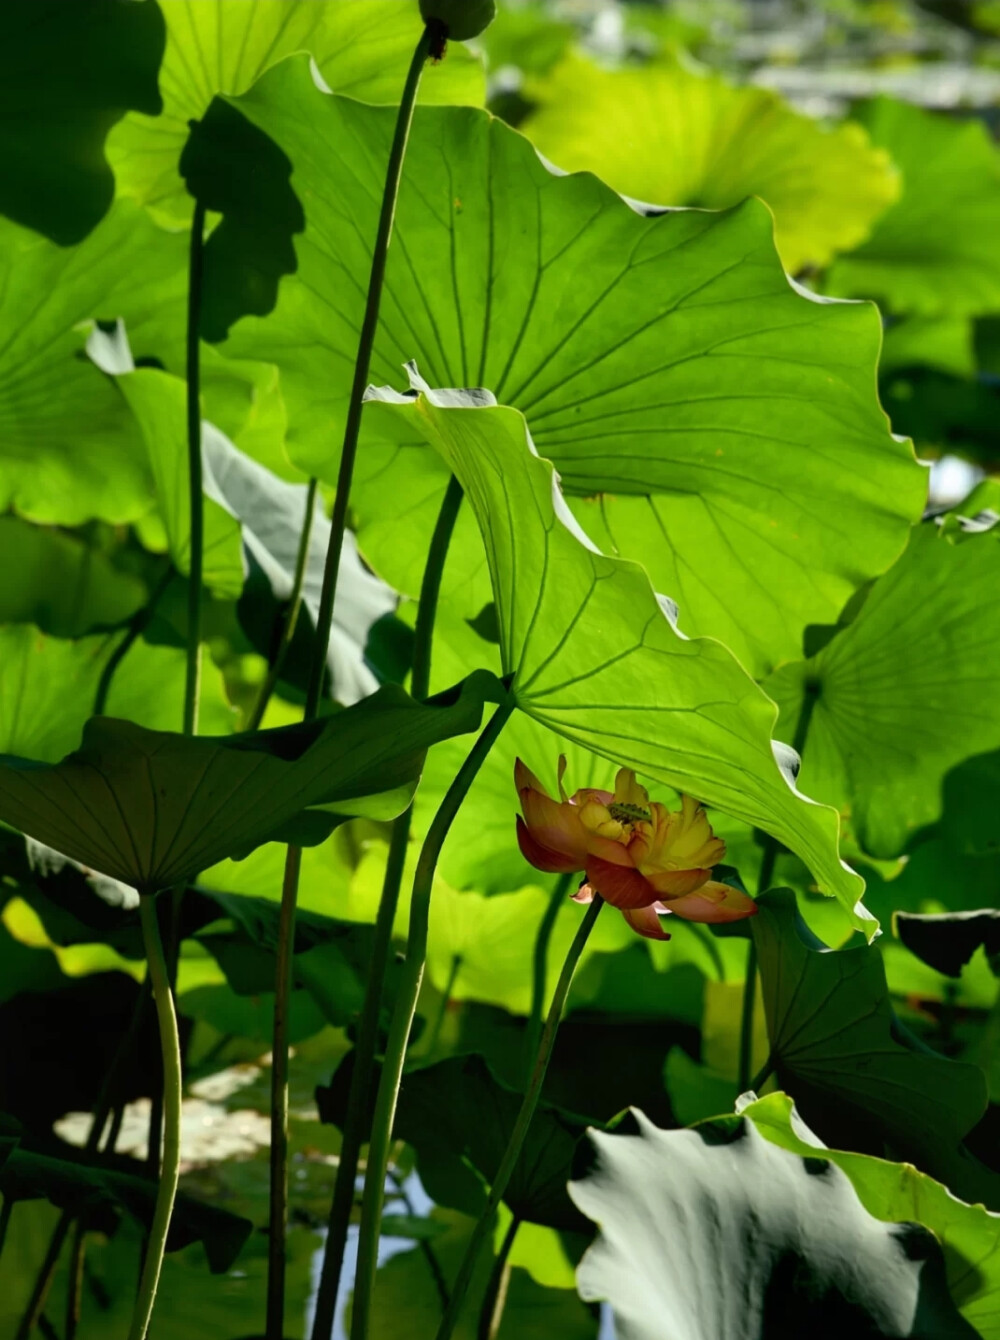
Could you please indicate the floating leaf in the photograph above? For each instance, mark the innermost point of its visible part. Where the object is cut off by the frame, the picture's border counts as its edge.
(673, 134)
(362, 48)
(717, 1232)
(618, 679)
(153, 809)
(68, 72)
(664, 358)
(903, 693)
(842, 1054)
(934, 252)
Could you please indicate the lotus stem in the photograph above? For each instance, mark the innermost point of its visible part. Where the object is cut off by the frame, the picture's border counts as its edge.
(364, 1053)
(192, 682)
(484, 1224)
(402, 1020)
(170, 1168)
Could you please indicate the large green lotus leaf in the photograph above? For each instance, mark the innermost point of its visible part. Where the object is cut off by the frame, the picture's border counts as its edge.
(840, 1051)
(717, 1232)
(152, 808)
(408, 1301)
(934, 252)
(69, 69)
(667, 358)
(48, 687)
(92, 1190)
(362, 48)
(594, 655)
(65, 585)
(459, 1117)
(897, 1193)
(71, 450)
(677, 135)
(159, 403)
(905, 692)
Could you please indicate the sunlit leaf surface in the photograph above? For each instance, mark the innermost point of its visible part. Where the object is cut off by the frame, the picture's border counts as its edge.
(665, 358)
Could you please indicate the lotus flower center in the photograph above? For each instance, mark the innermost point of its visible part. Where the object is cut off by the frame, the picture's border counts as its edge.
(629, 814)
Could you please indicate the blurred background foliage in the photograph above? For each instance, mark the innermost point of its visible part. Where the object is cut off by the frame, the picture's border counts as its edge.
(869, 129)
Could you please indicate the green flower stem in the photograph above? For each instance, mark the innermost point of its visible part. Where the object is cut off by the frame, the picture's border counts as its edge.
(366, 342)
(324, 621)
(291, 617)
(364, 1052)
(746, 1018)
(495, 1298)
(540, 969)
(167, 1190)
(763, 884)
(484, 1224)
(402, 1020)
(192, 683)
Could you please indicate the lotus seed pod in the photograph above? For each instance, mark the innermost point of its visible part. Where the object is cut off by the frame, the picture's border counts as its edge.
(462, 19)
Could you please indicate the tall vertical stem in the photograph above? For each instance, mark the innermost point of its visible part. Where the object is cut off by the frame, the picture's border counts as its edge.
(192, 683)
(402, 1020)
(540, 969)
(279, 1100)
(364, 1058)
(763, 884)
(484, 1224)
(331, 572)
(170, 1046)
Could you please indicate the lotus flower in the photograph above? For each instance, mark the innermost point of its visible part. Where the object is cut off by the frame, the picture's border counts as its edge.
(639, 856)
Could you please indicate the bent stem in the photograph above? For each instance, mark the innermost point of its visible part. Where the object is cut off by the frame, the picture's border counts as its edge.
(484, 1225)
(364, 1052)
(324, 622)
(402, 1020)
(170, 1167)
(763, 884)
(291, 617)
